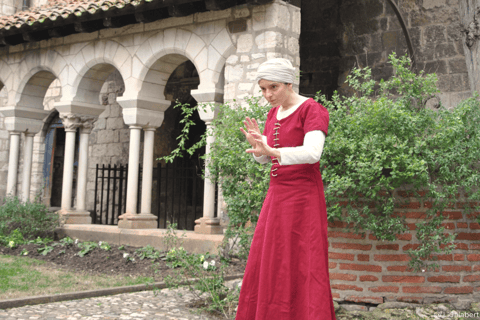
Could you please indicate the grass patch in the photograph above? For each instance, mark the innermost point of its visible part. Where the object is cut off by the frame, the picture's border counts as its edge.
(25, 277)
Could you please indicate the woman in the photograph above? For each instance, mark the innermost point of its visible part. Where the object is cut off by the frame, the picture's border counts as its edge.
(286, 277)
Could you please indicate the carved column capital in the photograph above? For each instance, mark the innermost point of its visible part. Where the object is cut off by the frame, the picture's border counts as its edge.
(87, 124)
(71, 121)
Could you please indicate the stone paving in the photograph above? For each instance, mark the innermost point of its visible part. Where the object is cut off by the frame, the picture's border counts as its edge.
(167, 304)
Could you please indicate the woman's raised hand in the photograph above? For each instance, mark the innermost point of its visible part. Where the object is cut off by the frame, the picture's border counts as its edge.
(252, 126)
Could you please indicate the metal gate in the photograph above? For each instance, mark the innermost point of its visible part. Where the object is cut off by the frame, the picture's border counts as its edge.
(177, 194)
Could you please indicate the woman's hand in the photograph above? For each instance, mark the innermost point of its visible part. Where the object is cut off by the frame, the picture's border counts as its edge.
(261, 148)
(252, 127)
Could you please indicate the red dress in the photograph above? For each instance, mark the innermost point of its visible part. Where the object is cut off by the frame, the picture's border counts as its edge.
(287, 277)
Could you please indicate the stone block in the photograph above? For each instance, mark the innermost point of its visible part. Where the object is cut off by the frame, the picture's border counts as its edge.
(233, 59)
(293, 46)
(245, 86)
(241, 12)
(457, 65)
(269, 40)
(245, 43)
(445, 50)
(124, 135)
(233, 73)
(222, 41)
(245, 58)
(258, 20)
(115, 123)
(253, 66)
(106, 136)
(212, 15)
(277, 16)
(431, 4)
(168, 23)
(438, 67)
(435, 33)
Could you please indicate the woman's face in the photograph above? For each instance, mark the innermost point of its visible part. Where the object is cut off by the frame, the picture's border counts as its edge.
(276, 93)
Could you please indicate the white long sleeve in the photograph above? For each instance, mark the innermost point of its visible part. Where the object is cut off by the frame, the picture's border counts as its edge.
(309, 152)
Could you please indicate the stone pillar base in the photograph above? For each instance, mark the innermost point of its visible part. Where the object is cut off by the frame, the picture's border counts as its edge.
(208, 226)
(137, 221)
(74, 217)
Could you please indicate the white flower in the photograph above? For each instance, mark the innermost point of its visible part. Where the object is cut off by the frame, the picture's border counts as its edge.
(125, 255)
(212, 263)
(76, 241)
(205, 265)
(202, 258)
(11, 244)
(99, 243)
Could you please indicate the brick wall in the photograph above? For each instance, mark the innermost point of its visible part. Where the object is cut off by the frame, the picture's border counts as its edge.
(365, 270)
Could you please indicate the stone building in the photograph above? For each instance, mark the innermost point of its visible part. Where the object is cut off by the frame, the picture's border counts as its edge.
(93, 83)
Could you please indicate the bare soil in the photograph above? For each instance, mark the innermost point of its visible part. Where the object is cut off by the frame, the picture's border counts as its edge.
(100, 261)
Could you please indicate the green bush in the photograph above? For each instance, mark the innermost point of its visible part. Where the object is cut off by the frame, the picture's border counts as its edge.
(384, 138)
(31, 219)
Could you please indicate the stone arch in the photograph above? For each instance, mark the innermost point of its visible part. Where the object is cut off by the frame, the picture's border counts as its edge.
(32, 93)
(91, 67)
(172, 47)
(30, 72)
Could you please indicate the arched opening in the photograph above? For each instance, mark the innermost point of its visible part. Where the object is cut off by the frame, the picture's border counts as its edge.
(179, 186)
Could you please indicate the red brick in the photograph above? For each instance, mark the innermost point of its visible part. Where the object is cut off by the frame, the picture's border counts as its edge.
(391, 257)
(332, 265)
(341, 256)
(410, 299)
(387, 247)
(445, 257)
(384, 289)
(448, 225)
(428, 204)
(476, 268)
(413, 215)
(404, 279)
(411, 194)
(405, 236)
(468, 236)
(473, 216)
(368, 278)
(459, 257)
(360, 267)
(410, 246)
(408, 205)
(337, 224)
(472, 278)
(375, 300)
(452, 279)
(398, 268)
(363, 257)
(458, 290)
(462, 225)
(343, 276)
(346, 287)
(474, 246)
(411, 226)
(415, 289)
(456, 268)
(475, 225)
(372, 237)
(335, 295)
(458, 246)
(473, 257)
(462, 205)
(346, 235)
(453, 215)
(352, 246)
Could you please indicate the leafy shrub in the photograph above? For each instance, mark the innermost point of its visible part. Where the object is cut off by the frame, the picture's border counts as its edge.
(31, 219)
(384, 138)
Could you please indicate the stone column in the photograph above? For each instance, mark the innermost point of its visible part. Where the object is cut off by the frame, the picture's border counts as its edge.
(27, 166)
(71, 122)
(82, 216)
(148, 146)
(13, 163)
(138, 113)
(208, 224)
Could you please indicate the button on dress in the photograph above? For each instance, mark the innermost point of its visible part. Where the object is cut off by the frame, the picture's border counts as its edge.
(286, 277)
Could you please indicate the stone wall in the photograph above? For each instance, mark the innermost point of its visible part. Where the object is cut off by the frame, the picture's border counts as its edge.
(339, 35)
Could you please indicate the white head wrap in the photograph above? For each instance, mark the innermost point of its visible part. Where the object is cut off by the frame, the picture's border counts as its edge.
(279, 70)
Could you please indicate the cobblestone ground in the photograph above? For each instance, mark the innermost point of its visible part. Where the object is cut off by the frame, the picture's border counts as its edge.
(168, 304)
(172, 305)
